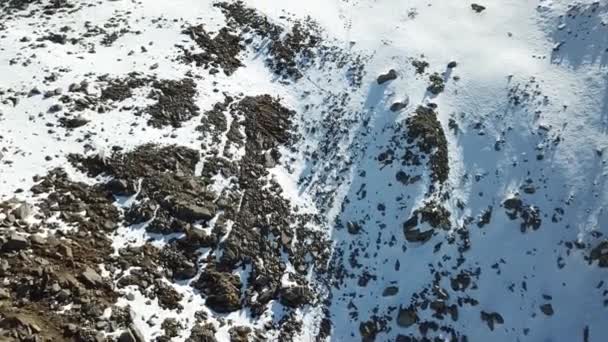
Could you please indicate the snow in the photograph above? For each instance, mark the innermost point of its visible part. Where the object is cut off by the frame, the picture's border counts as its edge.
(505, 47)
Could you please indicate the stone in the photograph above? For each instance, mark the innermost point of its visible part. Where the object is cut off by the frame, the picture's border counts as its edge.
(66, 251)
(406, 317)
(492, 318)
(15, 242)
(389, 76)
(353, 227)
(126, 336)
(55, 108)
(398, 106)
(547, 309)
(191, 212)
(295, 296)
(91, 277)
(37, 240)
(75, 122)
(415, 235)
(390, 291)
(477, 8)
(4, 294)
(23, 211)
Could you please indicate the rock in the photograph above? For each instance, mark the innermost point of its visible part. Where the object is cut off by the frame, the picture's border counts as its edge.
(239, 334)
(269, 161)
(71, 329)
(452, 65)
(91, 277)
(23, 211)
(397, 106)
(132, 334)
(353, 227)
(55, 108)
(389, 76)
(136, 333)
(202, 333)
(66, 251)
(37, 240)
(600, 253)
(407, 317)
(191, 212)
(437, 84)
(15, 242)
(295, 296)
(477, 8)
(33, 92)
(416, 235)
(390, 291)
(492, 318)
(4, 294)
(547, 309)
(223, 290)
(368, 331)
(75, 122)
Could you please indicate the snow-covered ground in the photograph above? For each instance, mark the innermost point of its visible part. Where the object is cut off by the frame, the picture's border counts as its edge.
(525, 115)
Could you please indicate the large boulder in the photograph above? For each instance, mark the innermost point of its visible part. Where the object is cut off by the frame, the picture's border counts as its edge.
(222, 290)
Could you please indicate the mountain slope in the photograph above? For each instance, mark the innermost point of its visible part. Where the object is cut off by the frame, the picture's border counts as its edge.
(329, 170)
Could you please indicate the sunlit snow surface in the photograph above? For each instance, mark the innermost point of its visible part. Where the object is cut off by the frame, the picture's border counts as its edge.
(508, 46)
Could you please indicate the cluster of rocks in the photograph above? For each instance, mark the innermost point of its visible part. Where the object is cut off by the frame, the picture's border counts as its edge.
(427, 133)
(266, 124)
(220, 51)
(289, 52)
(46, 269)
(432, 213)
(529, 215)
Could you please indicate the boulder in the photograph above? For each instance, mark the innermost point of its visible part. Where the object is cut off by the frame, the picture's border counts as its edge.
(15, 243)
(407, 317)
(547, 309)
(191, 212)
(295, 296)
(91, 277)
(389, 76)
(23, 211)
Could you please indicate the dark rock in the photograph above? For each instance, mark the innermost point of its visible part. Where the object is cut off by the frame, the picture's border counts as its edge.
(353, 227)
(415, 235)
(222, 290)
(492, 318)
(202, 333)
(547, 309)
(397, 106)
(175, 102)
(191, 212)
(295, 296)
(389, 76)
(407, 317)
(437, 84)
(71, 123)
(426, 131)
(600, 253)
(477, 8)
(23, 211)
(368, 330)
(390, 291)
(91, 277)
(15, 242)
(55, 108)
